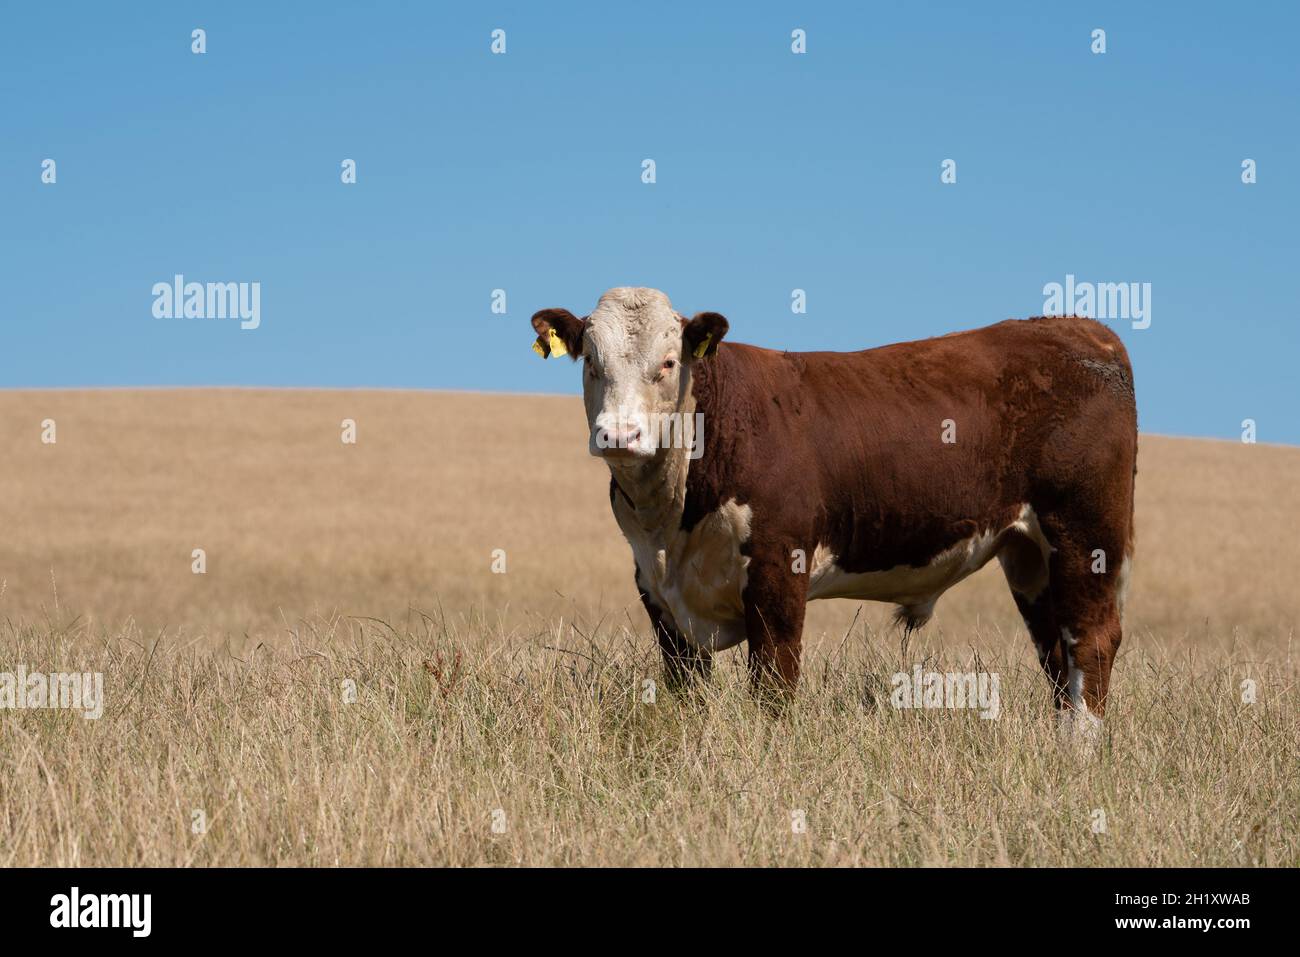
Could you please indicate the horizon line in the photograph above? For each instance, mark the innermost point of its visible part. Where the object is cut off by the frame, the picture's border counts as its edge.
(446, 391)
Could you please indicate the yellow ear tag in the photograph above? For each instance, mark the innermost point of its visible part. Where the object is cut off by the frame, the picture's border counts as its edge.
(556, 344)
(703, 347)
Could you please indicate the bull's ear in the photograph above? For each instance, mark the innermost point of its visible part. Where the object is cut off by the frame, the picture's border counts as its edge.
(559, 332)
(702, 333)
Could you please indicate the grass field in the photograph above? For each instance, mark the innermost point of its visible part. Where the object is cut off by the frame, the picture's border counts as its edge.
(351, 683)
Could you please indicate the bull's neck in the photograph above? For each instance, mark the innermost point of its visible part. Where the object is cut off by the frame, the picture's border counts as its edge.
(654, 491)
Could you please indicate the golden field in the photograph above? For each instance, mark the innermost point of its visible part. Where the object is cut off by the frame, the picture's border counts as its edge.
(500, 718)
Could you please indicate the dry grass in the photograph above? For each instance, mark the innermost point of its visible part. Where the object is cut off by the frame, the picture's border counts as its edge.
(522, 692)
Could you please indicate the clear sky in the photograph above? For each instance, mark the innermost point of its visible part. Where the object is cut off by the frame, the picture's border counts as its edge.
(523, 171)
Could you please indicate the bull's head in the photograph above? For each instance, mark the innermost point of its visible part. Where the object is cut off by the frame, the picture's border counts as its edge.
(637, 356)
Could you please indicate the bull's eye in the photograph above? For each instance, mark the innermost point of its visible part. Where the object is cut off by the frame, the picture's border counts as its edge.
(591, 369)
(669, 365)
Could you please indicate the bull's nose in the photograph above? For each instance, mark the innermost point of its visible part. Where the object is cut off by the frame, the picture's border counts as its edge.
(616, 440)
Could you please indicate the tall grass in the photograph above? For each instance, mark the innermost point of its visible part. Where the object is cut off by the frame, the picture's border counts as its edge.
(468, 743)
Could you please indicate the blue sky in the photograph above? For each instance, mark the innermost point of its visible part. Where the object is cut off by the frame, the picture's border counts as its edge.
(522, 172)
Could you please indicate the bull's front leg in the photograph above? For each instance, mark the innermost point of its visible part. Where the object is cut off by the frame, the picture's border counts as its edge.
(683, 662)
(775, 598)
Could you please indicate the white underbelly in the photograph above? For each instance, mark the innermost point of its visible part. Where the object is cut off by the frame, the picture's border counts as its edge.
(697, 578)
(908, 585)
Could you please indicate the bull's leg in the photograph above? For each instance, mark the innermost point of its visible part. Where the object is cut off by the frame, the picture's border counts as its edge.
(775, 599)
(1025, 562)
(1047, 642)
(683, 662)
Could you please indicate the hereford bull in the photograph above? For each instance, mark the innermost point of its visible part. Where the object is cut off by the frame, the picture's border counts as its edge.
(889, 474)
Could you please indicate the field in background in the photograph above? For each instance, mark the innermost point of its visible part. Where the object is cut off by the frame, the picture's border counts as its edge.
(516, 698)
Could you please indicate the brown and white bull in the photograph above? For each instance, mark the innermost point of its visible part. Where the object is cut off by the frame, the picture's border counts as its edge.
(749, 481)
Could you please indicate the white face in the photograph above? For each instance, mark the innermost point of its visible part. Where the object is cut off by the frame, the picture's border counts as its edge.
(632, 375)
